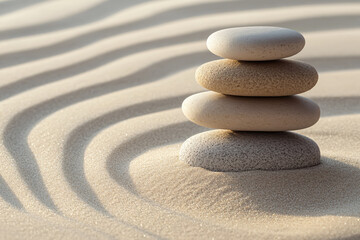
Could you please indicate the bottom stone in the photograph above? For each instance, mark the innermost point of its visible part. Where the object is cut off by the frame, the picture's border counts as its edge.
(225, 151)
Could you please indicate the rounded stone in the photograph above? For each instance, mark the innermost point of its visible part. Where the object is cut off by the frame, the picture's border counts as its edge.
(225, 150)
(258, 43)
(269, 78)
(215, 110)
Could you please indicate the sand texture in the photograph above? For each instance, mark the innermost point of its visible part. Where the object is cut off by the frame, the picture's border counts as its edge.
(229, 151)
(91, 123)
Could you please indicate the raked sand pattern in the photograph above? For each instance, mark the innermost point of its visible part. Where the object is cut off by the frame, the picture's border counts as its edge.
(91, 121)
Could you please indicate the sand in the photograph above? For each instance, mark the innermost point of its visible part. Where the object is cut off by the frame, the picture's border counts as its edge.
(91, 124)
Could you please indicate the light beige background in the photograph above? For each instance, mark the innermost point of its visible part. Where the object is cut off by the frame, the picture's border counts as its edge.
(91, 125)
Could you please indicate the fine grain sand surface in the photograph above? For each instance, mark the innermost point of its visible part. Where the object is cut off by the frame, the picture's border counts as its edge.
(91, 125)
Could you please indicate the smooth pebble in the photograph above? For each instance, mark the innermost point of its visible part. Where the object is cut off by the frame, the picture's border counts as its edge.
(215, 110)
(269, 78)
(258, 43)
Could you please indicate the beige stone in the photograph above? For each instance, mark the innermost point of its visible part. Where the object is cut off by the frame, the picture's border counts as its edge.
(215, 110)
(225, 150)
(258, 43)
(268, 78)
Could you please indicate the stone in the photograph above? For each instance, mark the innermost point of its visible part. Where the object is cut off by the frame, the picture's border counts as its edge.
(267, 78)
(215, 110)
(258, 43)
(225, 150)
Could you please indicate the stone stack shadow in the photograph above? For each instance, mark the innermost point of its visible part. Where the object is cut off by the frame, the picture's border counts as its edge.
(253, 103)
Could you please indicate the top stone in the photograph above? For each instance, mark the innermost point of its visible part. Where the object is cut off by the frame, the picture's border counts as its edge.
(260, 43)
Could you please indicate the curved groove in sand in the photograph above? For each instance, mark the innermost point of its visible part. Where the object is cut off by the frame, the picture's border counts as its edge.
(8, 195)
(329, 175)
(98, 12)
(25, 120)
(344, 106)
(110, 180)
(106, 8)
(74, 43)
(139, 141)
(16, 131)
(74, 69)
(334, 106)
(79, 138)
(7, 7)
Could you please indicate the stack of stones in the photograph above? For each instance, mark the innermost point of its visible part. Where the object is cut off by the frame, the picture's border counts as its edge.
(252, 103)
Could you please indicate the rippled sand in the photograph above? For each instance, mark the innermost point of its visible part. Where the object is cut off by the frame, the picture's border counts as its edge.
(90, 97)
